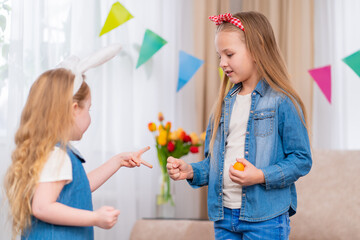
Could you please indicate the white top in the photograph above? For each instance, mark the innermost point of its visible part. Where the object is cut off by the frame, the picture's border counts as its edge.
(58, 167)
(235, 145)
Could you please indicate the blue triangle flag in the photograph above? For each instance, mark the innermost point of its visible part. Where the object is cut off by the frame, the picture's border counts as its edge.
(188, 65)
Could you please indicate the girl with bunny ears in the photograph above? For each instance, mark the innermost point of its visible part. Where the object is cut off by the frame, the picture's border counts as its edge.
(48, 191)
(259, 121)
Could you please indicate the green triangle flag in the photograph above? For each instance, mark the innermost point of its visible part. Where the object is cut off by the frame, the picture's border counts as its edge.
(353, 61)
(151, 44)
(118, 15)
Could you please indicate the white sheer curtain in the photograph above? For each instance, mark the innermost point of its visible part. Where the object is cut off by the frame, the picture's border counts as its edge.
(337, 35)
(124, 99)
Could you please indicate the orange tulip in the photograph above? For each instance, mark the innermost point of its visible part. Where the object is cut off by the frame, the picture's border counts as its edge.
(152, 127)
(180, 133)
(168, 126)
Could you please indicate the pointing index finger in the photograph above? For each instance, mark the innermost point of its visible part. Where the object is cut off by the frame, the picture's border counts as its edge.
(141, 151)
(146, 164)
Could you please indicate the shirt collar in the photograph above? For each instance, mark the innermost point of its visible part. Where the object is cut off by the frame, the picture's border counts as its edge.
(72, 149)
(260, 88)
(76, 152)
(235, 89)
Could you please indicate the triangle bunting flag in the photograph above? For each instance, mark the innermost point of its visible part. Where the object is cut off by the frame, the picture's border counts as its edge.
(322, 77)
(188, 66)
(118, 15)
(353, 61)
(151, 44)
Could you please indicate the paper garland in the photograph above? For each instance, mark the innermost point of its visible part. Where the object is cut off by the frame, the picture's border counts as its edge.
(188, 65)
(322, 75)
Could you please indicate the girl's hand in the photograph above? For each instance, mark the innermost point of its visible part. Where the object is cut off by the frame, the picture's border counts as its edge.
(178, 169)
(106, 217)
(250, 176)
(133, 159)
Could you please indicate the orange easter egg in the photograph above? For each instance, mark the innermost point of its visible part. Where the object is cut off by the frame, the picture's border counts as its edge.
(239, 166)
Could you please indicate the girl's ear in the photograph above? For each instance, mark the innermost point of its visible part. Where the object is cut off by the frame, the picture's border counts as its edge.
(75, 108)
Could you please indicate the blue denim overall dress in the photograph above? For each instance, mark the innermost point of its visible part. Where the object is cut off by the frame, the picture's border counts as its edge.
(76, 194)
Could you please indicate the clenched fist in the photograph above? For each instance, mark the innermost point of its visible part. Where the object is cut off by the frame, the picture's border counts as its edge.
(178, 169)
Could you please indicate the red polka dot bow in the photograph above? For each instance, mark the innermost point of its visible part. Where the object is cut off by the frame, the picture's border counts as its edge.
(227, 17)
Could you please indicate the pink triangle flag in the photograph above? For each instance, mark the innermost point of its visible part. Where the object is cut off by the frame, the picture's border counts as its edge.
(322, 76)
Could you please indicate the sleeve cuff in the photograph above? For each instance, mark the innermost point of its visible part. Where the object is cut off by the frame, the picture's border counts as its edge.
(272, 174)
(195, 182)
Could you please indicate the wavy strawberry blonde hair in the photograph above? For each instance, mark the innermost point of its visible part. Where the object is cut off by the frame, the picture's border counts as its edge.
(260, 41)
(45, 120)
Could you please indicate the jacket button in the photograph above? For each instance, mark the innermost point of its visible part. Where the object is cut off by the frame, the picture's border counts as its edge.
(254, 93)
(220, 194)
(246, 152)
(220, 173)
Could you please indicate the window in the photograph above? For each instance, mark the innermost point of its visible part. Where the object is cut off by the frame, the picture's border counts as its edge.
(4, 46)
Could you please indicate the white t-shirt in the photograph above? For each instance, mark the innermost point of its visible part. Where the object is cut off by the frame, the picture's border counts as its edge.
(58, 167)
(234, 148)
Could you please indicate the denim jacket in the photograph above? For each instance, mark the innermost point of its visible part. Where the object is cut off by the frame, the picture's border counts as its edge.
(276, 142)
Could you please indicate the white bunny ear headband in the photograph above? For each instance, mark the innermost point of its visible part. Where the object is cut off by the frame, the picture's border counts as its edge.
(79, 67)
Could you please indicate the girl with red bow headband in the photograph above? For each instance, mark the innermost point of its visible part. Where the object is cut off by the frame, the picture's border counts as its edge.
(259, 122)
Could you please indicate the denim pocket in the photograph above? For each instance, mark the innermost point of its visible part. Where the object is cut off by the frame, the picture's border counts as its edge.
(264, 122)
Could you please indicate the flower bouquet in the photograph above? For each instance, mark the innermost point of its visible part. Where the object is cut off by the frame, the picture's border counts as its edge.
(175, 143)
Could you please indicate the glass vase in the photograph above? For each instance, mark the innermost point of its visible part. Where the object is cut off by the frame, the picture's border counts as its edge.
(165, 206)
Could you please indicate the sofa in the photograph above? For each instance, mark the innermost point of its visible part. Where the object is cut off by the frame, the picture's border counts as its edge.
(329, 198)
(328, 205)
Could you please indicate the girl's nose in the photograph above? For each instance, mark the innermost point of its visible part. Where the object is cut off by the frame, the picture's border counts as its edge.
(223, 64)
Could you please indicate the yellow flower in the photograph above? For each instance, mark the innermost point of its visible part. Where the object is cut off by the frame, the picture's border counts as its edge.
(161, 128)
(173, 136)
(203, 136)
(194, 138)
(162, 139)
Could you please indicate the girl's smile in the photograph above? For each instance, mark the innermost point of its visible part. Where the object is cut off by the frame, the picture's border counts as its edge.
(228, 73)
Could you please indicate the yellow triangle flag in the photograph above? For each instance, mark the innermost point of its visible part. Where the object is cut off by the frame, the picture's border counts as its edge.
(221, 73)
(118, 15)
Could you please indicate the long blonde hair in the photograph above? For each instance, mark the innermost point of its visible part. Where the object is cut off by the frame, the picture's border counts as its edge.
(45, 120)
(260, 41)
